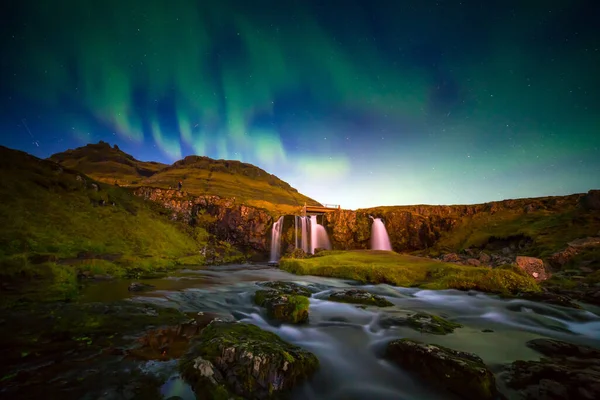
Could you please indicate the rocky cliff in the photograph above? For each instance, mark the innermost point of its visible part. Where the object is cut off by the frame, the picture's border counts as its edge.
(248, 228)
(543, 225)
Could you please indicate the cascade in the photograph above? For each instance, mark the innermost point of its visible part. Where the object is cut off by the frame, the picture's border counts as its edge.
(276, 240)
(304, 233)
(318, 236)
(379, 236)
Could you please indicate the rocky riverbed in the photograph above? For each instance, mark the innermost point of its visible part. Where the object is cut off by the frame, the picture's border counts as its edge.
(209, 333)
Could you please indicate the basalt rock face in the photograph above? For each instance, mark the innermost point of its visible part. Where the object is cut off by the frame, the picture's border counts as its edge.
(244, 226)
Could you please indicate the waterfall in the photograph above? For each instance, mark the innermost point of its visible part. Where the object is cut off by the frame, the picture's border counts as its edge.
(276, 240)
(379, 236)
(304, 233)
(318, 236)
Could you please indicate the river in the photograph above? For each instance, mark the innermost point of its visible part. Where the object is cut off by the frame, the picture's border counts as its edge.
(349, 340)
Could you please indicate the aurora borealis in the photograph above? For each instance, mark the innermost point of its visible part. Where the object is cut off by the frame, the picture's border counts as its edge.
(358, 103)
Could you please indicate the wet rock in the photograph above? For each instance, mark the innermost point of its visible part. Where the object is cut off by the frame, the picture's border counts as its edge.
(240, 358)
(422, 322)
(534, 267)
(568, 371)
(170, 342)
(288, 288)
(359, 296)
(283, 307)
(550, 298)
(139, 287)
(463, 374)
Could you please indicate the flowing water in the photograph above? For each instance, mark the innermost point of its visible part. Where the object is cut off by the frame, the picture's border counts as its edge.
(379, 236)
(276, 240)
(348, 340)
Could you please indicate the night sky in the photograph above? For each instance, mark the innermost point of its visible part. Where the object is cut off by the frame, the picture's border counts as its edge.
(358, 103)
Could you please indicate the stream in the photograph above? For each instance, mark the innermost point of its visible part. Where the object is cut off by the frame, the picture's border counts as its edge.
(348, 340)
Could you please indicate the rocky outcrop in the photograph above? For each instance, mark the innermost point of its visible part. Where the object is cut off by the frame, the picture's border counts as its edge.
(359, 296)
(575, 247)
(463, 374)
(567, 371)
(591, 200)
(419, 227)
(246, 227)
(242, 359)
(534, 267)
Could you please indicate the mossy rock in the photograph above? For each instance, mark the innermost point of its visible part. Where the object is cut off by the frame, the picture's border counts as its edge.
(461, 373)
(283, 307)
(239, 358)
(288, 288)
(571, 369)
(359, 296)
(422, 322)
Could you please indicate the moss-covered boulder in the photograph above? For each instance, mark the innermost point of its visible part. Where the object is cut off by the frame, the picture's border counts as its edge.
(242, 359)
(422, 322)
(287, 288)
(359, 296)
(283, 307)
(567, 371)
(463, 374)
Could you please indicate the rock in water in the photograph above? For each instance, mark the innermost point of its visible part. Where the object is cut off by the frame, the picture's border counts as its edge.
(283, 307)
(569, 372)
(239, 358)
(422, 322)
(462, 373)
(359, 296)
(138, 287)
(288, 288)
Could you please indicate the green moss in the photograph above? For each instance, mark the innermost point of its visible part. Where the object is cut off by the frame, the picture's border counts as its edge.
(429, 323)
(282, 365)
(288, 288)
(408, 271)
(283, 307)
(359, 296)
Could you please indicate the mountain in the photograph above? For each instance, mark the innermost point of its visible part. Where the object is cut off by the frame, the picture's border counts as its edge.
(107, 164)
(200, 176)
(57, 223)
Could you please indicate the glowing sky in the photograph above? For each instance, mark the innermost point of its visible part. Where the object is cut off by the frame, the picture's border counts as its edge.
(358, 103)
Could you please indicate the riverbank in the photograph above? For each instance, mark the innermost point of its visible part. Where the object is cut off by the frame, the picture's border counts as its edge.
(369, 266)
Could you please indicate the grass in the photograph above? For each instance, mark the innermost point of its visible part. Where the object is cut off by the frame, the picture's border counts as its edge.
(550, 231)
(376, 267)
(51, 216)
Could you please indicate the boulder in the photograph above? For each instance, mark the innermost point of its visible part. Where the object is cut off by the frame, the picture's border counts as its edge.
(484, 258)
(451, 257)
(463, 374)
(283, 307)
(474, 262)
(242, 359)
(534, 267)
(568, 371)
(422, 322)
(359, 296)
(591, 200)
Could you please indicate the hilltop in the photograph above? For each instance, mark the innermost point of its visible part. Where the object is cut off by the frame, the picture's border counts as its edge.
(107, 164)
(200, 175)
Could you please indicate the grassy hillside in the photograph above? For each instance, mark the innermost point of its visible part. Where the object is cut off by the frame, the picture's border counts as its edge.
(57, 223)
(200, 176)
(106, 164)
(370, 266)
